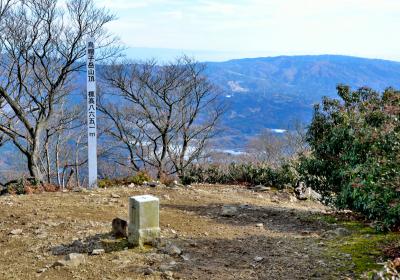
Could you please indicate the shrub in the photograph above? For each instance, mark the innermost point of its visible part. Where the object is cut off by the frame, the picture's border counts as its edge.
(355, 159)
(106, 183)
(138, 179)
(248, 174)
(29, 186)
(167, 180)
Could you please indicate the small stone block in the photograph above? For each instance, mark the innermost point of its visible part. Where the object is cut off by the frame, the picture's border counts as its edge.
(143, 226)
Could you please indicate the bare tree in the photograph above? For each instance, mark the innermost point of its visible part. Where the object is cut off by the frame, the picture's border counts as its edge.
(67, 123)
(272, 148)
(296, 140)
(120, 123)
(266, 148)
(42, 47)
(170, 114)
(198, 114)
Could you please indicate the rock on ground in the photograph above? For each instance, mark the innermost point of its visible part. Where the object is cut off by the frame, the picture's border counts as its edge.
(173, 250)
(72, 260)
(229, 211)
(303, 192)
(119, 227)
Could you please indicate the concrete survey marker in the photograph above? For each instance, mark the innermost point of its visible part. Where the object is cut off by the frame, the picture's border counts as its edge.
(143, 226)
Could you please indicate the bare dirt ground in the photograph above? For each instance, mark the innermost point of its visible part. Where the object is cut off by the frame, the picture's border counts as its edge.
(289, 244)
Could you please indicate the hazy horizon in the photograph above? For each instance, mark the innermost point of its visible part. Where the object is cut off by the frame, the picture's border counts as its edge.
(166, 54)
(226, 29)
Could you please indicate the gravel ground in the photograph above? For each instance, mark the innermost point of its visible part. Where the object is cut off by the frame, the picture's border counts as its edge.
(270, 236)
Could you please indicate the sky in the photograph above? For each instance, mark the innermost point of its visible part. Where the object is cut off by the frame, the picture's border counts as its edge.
(220, 30)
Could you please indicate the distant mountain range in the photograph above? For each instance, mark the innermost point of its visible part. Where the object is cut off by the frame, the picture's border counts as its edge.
(275, 92)
(272, 92)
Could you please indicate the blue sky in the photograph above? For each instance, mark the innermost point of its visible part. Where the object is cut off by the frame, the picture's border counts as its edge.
(220, 30)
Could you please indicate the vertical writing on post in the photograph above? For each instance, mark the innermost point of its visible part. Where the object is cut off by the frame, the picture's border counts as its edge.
(91, 114)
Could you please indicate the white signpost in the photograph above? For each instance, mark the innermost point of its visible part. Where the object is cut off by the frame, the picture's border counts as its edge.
(91, 113)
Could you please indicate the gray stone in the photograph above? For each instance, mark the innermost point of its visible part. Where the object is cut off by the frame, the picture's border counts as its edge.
(177, 184)
(229, 211)
(342, 232)
(261, 188)
(148, 271)
(338, 232)
(168, 274)
(303, 192)
(185, 257)
(74, 259)
(60, 263)
(258, 259)
(77, 244)
(41, 270)
(173, 250)
(16, 231)
(59, 250)
(119, 227)
(98, 251)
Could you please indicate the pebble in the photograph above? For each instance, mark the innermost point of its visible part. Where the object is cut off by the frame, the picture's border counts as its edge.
(342, 232)
(260, 225)
(168, 274)
(114, 195)
(173, 250)
(59, 250)
(339, 232)
(98, 251)
(165, 267)
(16, 231)
(229, 211)
(261, 188)
(148, 271)
(185, 257)
(41, 270)
(72, 259)
(258, 259)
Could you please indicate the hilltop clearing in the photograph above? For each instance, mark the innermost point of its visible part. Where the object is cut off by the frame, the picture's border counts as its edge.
(268, 235)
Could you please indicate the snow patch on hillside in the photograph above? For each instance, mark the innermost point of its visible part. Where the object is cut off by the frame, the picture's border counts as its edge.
(236, 87)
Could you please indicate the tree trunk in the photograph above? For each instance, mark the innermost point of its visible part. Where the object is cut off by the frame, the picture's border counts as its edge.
(33, 166)
(48, 169)
(161, 166)
(58, 161)
(77, 162)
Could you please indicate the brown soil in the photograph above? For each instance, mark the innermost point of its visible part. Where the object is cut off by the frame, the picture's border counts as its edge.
(214, 247)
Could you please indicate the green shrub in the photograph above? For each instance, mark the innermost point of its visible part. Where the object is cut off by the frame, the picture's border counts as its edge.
(105, 183)
(139, 178)
(355, 161)
(250, 174)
